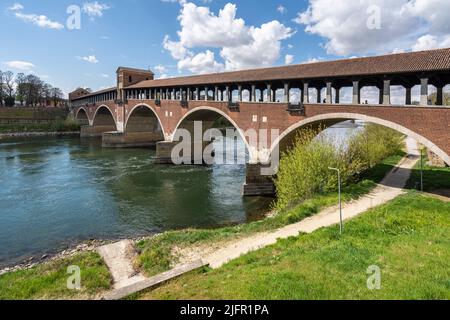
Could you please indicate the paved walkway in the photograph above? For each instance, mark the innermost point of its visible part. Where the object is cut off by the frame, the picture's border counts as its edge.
(119, 258)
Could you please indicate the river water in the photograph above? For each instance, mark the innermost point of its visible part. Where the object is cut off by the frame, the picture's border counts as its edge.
(56, 192)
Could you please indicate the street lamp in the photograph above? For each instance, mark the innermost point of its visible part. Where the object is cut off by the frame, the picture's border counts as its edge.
(421, 169)
(341, 228)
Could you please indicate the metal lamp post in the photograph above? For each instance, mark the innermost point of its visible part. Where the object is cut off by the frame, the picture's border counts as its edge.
(341, 228)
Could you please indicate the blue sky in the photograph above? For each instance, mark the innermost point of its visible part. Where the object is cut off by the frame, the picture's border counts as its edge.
(143, 34)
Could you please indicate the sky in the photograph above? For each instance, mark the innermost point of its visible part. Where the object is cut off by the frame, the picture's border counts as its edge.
(74, 44)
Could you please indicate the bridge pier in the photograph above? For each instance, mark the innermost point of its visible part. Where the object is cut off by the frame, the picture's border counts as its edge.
(116, 139)
(257, 184)
(95, 131)
(164, 151)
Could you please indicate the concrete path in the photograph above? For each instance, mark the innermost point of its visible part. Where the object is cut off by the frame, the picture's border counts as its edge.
(387, 190)
(119, 259)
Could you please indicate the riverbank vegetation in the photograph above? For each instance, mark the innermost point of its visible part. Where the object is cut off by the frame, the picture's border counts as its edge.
(362, 175)
(49, 280)
(407, 239)
(60, 125)
(305, 167)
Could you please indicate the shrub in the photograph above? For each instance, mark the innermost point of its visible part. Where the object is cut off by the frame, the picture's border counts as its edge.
(304, 168)
(10, 101)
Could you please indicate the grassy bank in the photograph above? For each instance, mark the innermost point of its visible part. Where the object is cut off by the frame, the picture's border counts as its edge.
(55, 126)
(49, 280)
(433, 178)
(157, 253)
(408, 239)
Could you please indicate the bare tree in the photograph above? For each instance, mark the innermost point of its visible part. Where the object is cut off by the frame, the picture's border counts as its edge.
(9, 82)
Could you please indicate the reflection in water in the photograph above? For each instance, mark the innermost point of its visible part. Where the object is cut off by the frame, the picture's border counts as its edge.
(59, 191)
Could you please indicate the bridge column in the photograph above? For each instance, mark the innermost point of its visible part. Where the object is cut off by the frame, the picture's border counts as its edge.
(424, 91)
(269, 92)
(319, 94)
(329, 98)
(253, 93)
(338, 95)
(257, 184)
(356, 93)
(386, 91)
(216, 93)
(240, 93)
(305, 93)
(440, 95)
(286, 93)
(408, 96)
(206, 93)
(227, 93)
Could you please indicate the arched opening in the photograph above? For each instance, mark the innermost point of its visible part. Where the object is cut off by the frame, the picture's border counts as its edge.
(370, 95)
(143, 127)
(287, 138)
(295, 95)
(346, 95)
(245, 95)
(398, 94)
(82, 117)
(104, 118)
(214, 132)
(279, 95)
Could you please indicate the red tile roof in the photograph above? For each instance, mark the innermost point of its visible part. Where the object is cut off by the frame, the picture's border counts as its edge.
(423, 61)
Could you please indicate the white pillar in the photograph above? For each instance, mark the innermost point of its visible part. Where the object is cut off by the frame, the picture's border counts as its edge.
(286, 93)
(269, 93)
(329, 93)
(387, 92)
(424, 91)
(356, 93)
(305, 93)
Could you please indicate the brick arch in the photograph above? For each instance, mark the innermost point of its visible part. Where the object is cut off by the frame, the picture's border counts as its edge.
(85, 112)
(333, 118)
(152, 109)
(104, 106)
(220, 113)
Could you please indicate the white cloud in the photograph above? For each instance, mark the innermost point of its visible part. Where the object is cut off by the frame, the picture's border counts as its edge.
(19, 65)
(204, 62)
(39, 20)
(428, 42)
(16, 7)
(104, 75)
(281, 9)
(240, 46)
(402, 22)
(91, 59)
(288, 59)
(94, 9)
(160, 69)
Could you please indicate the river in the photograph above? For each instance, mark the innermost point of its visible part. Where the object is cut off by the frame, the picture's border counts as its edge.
(57, 192)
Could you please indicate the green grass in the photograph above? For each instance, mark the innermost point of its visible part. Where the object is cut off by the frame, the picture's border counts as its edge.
(55, 126)
(433, 178)
(408, 239)
(156, 253)
(49, 280)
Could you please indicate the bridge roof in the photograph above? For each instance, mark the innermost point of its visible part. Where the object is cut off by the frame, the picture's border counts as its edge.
(401, 63)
